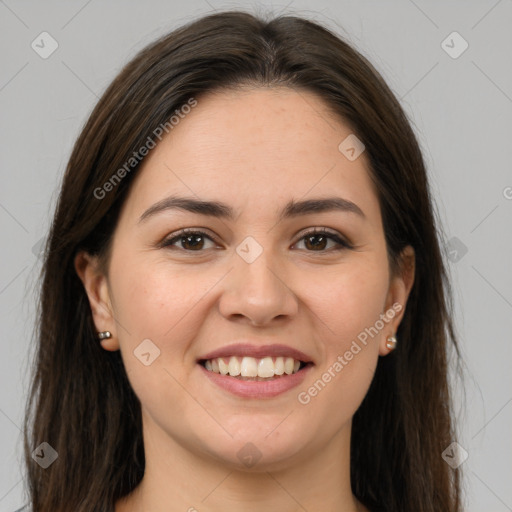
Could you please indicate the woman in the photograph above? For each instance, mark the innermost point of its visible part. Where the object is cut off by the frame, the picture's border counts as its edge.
(244, 303)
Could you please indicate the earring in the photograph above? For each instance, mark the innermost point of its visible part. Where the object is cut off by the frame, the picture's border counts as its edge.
(104, 335)
(391, 342)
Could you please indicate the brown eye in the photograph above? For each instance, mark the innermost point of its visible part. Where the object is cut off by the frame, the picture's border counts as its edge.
(316, 241)
(192, 241)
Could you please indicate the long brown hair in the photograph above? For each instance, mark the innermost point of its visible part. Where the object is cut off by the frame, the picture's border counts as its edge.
(81, 402)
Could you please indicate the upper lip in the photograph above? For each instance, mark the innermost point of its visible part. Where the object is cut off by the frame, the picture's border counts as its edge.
(257, 351)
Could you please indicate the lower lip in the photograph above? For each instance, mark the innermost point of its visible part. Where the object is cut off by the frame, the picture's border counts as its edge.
(257, 389)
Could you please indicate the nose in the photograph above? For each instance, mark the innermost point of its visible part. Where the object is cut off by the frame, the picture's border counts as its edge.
(257, 291)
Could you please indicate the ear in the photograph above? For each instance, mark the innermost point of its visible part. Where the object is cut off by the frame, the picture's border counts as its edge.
(96, 287)
(399, 289)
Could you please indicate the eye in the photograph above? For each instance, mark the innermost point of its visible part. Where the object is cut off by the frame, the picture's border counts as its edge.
(315, 240)
(192, 240)
(318, 237)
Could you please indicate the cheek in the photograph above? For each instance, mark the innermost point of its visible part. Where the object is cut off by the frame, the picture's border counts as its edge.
(154, 301)
(349, 300)
(152, 297)
(349, 306)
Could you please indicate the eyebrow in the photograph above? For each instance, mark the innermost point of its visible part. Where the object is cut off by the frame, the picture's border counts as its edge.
(223, 211)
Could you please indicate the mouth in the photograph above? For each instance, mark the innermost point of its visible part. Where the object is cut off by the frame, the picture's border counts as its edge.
(254, 369)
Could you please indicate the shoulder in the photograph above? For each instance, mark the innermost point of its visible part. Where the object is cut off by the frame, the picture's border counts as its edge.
(26, 508)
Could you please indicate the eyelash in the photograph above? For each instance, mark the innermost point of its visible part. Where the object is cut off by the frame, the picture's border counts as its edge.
(342, 244)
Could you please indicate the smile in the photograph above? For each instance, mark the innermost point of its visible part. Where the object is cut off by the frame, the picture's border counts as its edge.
(255, 387)
(251, 368)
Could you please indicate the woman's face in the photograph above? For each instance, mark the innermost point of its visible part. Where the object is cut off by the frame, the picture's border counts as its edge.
(251, 285)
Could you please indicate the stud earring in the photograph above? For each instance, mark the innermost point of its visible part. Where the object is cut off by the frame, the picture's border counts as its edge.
(391, 342)
(104, 335)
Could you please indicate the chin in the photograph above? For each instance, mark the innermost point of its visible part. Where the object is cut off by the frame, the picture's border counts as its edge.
(258, 451)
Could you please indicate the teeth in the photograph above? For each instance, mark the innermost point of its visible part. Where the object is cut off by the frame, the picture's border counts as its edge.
(234, 367)
(249, 367)
(223, 367)
(279, 366)
(266, 367)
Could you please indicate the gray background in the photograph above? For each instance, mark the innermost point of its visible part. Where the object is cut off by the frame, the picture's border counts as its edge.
(461, 109)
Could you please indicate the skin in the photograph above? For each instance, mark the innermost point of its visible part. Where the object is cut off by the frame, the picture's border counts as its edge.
(255, 150)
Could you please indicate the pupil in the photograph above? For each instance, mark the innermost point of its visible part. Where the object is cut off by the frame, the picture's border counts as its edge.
(316, 236)
(191, 237)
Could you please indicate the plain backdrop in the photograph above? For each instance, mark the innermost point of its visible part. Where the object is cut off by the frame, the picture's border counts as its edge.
(455, 88)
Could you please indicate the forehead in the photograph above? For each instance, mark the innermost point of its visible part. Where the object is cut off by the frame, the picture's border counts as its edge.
(254, 148)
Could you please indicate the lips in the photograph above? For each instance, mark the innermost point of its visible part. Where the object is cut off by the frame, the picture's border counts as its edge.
(257, 352)
(255, 371)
